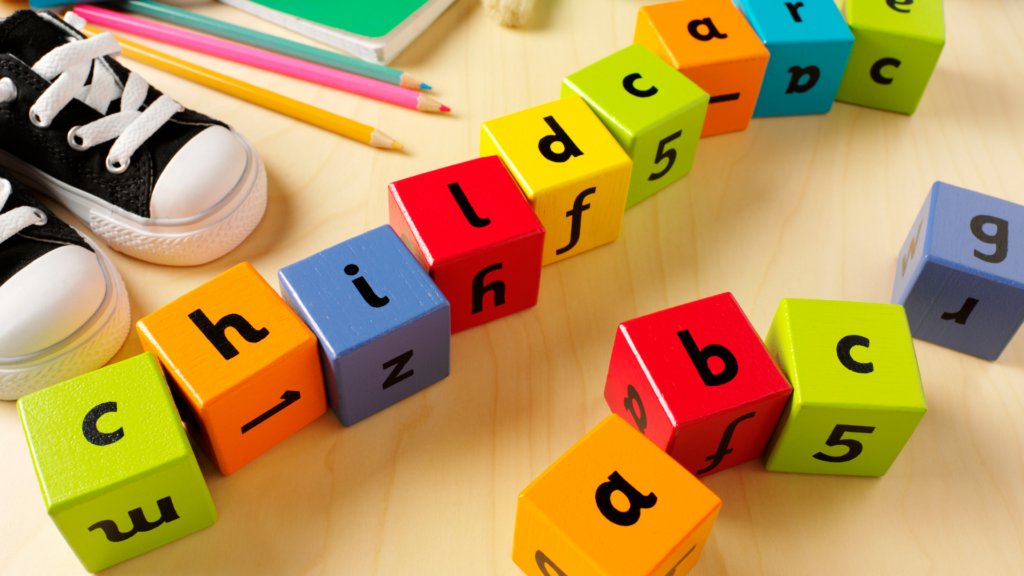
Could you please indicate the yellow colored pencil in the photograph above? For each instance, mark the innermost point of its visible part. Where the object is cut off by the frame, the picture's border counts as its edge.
(256, 95)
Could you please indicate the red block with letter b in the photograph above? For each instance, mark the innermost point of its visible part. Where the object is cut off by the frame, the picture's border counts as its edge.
(698, 382)
(474, 232)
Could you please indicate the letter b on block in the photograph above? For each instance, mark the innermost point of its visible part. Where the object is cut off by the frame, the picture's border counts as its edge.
(613, 504)
(960, 272)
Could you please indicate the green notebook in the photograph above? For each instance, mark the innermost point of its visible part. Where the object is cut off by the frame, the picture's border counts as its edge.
(376, 30)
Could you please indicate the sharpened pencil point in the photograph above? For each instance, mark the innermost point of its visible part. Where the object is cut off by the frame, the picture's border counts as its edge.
(445, 108)
(379, 139)
(425, 103)
(425, 86)
(397, 146)
(406, 81)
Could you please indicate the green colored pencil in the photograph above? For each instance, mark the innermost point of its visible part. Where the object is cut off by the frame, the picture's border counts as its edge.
(271, 43)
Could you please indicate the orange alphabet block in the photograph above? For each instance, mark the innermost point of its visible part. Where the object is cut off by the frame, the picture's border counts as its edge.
(711, 43)
(245, 371)
(613, 505)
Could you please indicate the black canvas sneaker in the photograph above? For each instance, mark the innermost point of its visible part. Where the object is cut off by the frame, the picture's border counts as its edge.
(151, 178)
(63, 306)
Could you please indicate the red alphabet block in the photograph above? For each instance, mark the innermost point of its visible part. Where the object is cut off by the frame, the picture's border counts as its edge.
(476, 235)
(698, 382)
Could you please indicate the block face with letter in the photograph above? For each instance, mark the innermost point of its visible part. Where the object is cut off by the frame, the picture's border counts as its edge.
(810, 44)
(898, 43)
(957, 274)
(117, 473)
(654, 112)
(475, 234)
(614, 504)
(383, 325)
(244, 369)
(698, 382)
(711, 43)
(857, 394)
(572, 171)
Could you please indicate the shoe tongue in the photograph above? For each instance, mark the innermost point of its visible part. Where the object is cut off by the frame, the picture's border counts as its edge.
(29, 36)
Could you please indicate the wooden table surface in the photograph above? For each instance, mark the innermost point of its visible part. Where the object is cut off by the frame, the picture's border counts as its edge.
(806, 207)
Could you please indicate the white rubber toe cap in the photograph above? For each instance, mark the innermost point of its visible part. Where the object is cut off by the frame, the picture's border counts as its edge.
(48, 300)
(202, 173)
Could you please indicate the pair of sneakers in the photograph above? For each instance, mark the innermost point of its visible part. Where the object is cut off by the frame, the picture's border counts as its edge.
(150, 179)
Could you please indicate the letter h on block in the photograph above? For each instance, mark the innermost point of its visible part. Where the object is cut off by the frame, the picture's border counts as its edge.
(383, 325)
(959, 278)
(117, 473)
(697, 381)
(613, 504)
(244, 369)
(475, 234)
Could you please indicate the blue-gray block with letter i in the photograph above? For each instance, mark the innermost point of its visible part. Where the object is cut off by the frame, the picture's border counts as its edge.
(809, 43)
(960, 273)
(384, 327)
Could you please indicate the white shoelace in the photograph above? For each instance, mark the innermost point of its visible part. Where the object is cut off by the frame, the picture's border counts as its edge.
(68, 67)
(18, 219)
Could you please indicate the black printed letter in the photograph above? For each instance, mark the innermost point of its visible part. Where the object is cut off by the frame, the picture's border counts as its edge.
(632, 396)
(629, 84)
(215, 332)
(543, 562)
(570, 148)
(637, 501)
(364, 288)
(467, 208)
(694, 28)
(960, 316)
(793, 10)
(1000, 239)
(843, 351)
(700, 360)
(723, 446)
(93, 435)
(894, 3)
(479, 288)
(139, 522)
(812, 73)
(876, 70)
(397, 375)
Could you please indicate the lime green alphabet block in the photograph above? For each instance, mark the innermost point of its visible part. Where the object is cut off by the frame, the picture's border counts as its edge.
(896, 46)
(654, 112)
(857, 394)
(117, 473)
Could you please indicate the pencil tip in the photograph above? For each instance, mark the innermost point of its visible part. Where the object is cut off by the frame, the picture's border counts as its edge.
(397, 146)
(445, 108)
(425, 86)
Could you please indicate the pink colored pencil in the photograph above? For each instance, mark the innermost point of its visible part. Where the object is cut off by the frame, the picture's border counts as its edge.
(262, 59)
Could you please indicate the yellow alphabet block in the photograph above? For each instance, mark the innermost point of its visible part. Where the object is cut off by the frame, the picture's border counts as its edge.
(613, 505)
(570, 168)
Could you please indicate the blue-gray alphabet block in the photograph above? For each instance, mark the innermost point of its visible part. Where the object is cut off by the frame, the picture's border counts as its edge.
(960, 273)
(384, 327)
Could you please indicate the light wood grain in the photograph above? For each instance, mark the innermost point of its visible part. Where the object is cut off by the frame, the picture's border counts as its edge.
(813, 207)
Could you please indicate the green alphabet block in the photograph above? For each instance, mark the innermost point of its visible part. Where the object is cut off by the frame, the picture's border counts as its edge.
(857, 395)
(117, 472)
(896, 46)
(654, 112)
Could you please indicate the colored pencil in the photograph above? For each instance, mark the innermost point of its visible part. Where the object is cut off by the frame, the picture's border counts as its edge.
(272, 43)
(262, 59)
(267, 99)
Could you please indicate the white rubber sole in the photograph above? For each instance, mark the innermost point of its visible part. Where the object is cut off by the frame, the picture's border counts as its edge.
(174, 242)
(89, 348)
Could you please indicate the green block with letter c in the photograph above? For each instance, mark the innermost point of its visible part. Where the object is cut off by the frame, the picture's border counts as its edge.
(857, 394)
(655, 113)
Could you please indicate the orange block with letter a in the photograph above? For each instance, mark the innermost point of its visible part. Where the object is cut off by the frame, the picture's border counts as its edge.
(244, 370)
(613, 505)
(711, 43)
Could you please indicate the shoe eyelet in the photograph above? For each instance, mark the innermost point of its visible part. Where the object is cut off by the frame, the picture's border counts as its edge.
(41, 216)
(71, 140)
(36, 120)
(119, 168)
(7, 85)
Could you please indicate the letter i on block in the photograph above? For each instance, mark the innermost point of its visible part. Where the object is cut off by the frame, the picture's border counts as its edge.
(697, 381)
(571, 170)
(613, 505)
(810, 44)
(957, 275)
(383, 325)
(117, 473)
(245, 370)
(475, 234)
(712, 44)
(898, 43)
(655, 113)
(857, 395)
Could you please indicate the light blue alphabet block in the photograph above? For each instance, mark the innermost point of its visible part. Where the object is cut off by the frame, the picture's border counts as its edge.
(384, 327)
(809, 43)
(960, 273)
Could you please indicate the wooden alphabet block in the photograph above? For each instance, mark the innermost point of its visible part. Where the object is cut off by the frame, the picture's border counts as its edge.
(383, 325)
(697, 381)
(810, 44)
(245, 370)
(475, 234)
(654, 112)
(857, 394)
(959, 278)
(570, 168)
(712, 44)
(898, 43)
(117, 473)
(613, 505)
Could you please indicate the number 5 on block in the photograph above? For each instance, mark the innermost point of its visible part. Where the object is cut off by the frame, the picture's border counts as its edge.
(857, 395)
